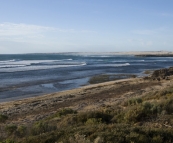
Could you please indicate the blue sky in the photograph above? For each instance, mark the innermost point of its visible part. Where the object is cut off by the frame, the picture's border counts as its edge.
(38, 26)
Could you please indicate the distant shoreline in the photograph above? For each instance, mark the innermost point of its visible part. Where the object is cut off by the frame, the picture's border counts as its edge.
(135, 53)
(156, 55)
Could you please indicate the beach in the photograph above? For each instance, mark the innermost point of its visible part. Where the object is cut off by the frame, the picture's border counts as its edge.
(119, 104)
(88, 97)
(91, 97)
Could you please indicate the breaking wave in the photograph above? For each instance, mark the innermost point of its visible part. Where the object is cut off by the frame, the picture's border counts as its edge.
(114, 65)
(30, 66)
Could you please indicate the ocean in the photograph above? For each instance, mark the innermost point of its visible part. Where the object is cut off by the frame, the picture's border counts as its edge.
(31, 75)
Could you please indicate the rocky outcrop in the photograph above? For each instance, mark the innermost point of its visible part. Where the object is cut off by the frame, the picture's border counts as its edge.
(162, 73)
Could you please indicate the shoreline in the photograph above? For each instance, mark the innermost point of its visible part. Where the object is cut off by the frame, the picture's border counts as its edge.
(85, 87)
(93, 98)
(154, 55)
(61, 93)
(62, 96)
(117, 77)
(122, 53)
(105, 53)
(40, 87)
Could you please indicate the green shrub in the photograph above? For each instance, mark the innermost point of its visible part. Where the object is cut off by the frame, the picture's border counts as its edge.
(8, 141)
(134, 115)
(141, 112)
(139, 100)
(64, 112)
(168, 106)
(39, 127)
(146, 106)
(132, 101)
(103, 117)
(93, 121)
(99, 79)
(157, 139)
(10, 129)
(42, 127)
(21, 131)
(156, 109)
(3, 118)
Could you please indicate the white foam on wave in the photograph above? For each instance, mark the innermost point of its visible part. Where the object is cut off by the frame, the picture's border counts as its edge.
(96, 56)
(114, 65)
(48, 85)
(29, 62)
(150, 61)
(8, 61)
(105, 56)
(11, 66)
(24, 62)
(38, 67)
(83, 64)
(119, 61)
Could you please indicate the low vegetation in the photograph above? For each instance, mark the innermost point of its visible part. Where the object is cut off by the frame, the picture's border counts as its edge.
(140, 120)
(3, 118)
(148, 72)
(111, 77)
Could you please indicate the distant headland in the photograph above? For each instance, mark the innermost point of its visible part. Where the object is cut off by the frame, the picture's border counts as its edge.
(134, 53)
(155, 55)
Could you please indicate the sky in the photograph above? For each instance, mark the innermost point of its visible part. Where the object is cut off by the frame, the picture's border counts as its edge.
(49, 26)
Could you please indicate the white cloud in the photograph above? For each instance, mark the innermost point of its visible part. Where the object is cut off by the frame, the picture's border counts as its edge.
(11, 29)
(21, 38)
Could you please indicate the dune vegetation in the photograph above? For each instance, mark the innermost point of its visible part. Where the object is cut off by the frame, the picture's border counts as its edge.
(145, 119)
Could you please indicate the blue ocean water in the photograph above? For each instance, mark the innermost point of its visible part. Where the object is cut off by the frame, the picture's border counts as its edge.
(28, 75)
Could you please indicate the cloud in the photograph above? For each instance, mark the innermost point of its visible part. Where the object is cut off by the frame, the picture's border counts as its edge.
(21, 38)
(11, 29)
